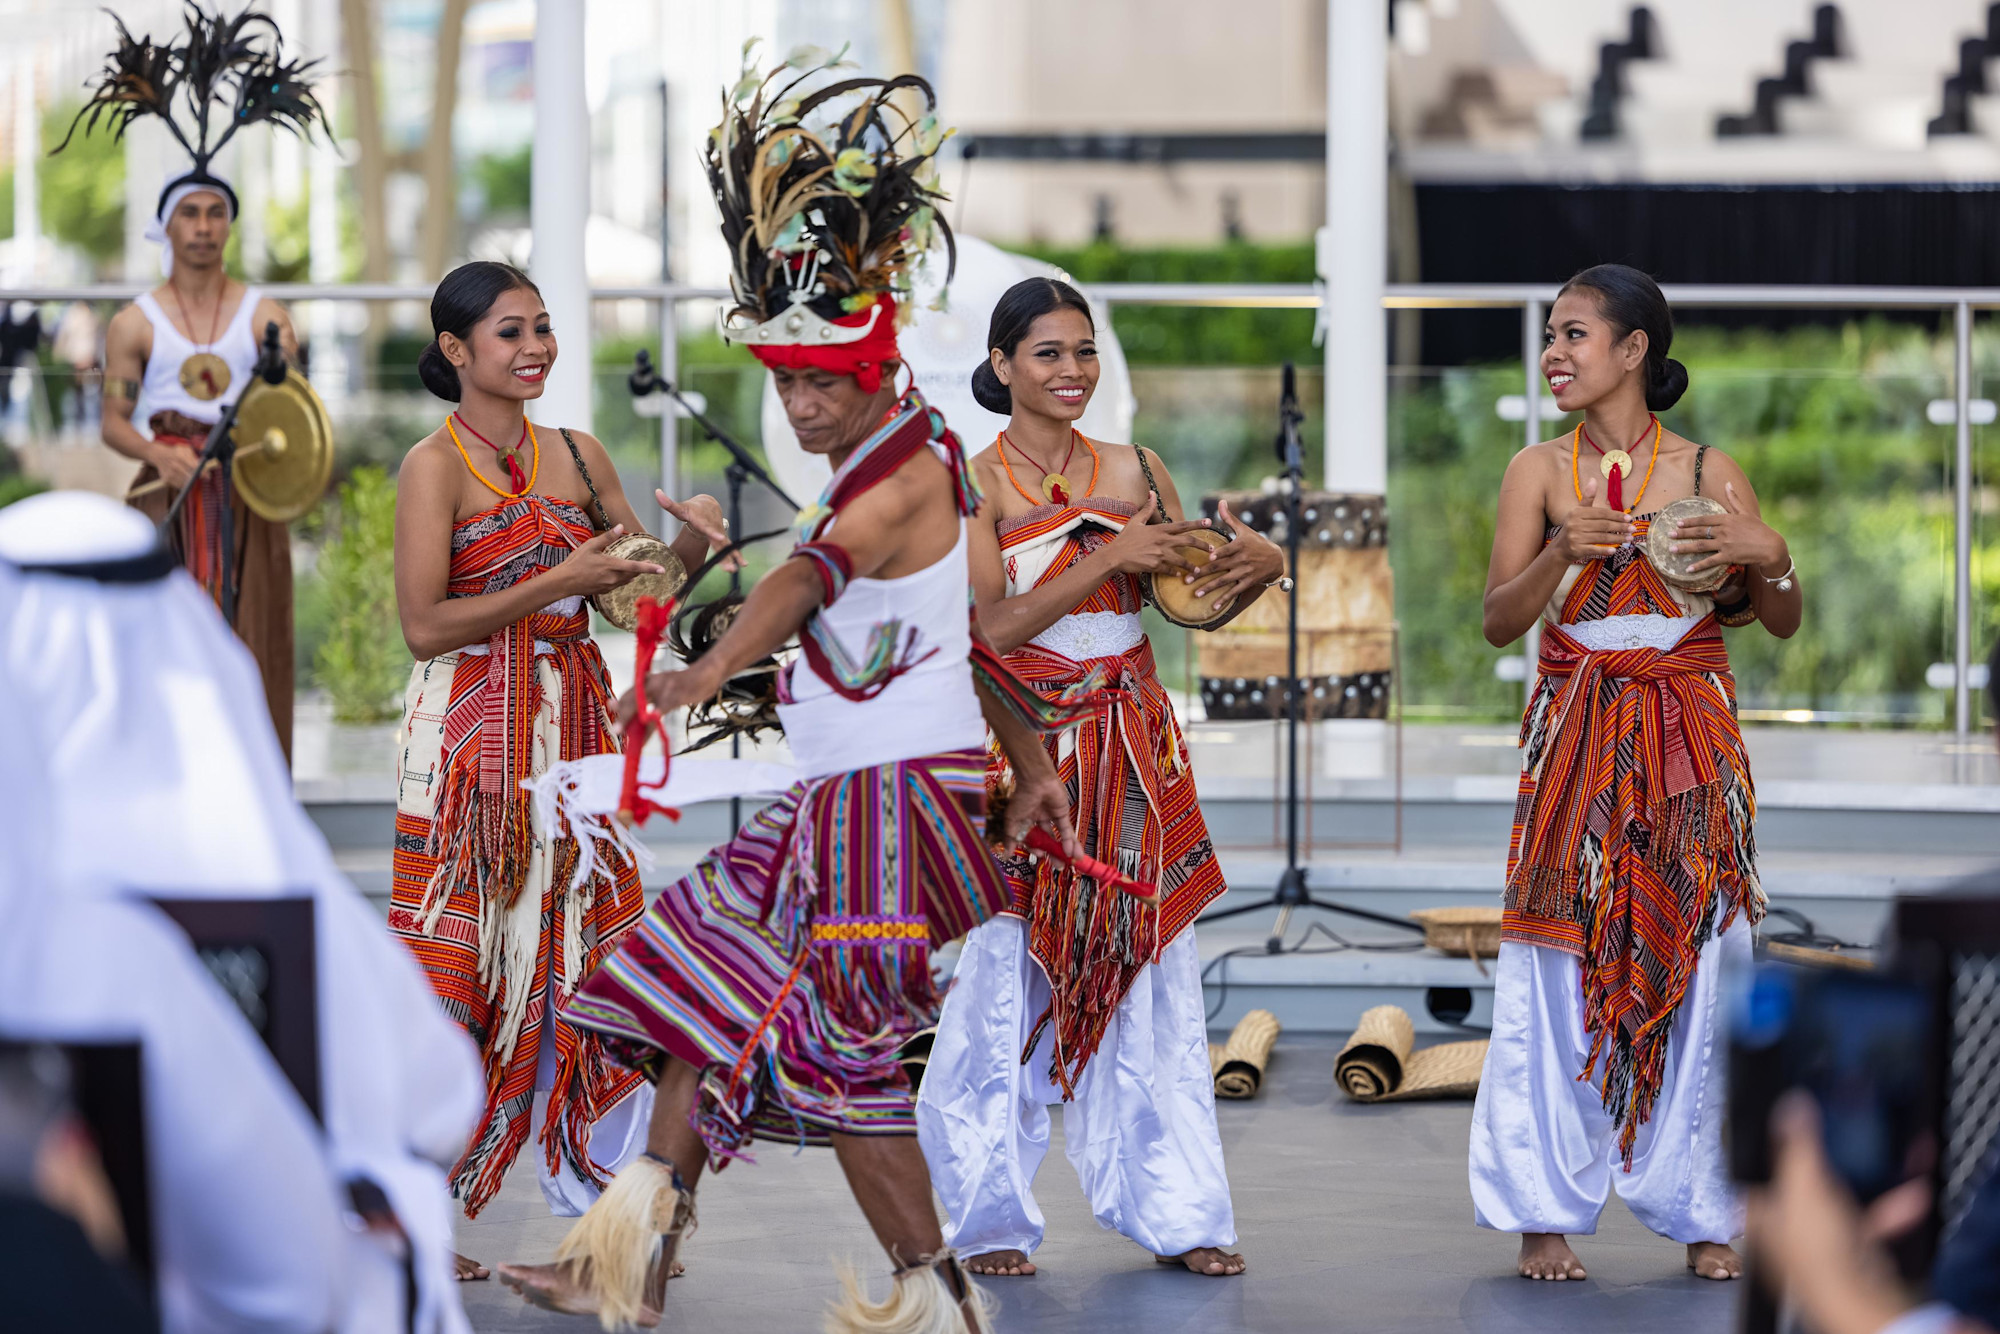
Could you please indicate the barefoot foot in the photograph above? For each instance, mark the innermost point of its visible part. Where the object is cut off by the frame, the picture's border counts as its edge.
(1712, 1259)
(1545, 1255)
(560, 1287)
(468, 1269)
(1208, 1261)
(1000, 1264)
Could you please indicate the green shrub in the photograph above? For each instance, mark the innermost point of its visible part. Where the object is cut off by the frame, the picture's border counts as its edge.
(504, 180)
(82, 189)
(19, 487)
(1200, 335)
(361, 661)
(1830, 425)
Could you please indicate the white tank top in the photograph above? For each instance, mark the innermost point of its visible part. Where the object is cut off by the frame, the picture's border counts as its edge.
(927, 710)
(161, 390)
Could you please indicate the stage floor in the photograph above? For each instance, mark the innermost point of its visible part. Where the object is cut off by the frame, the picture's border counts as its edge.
(1352, 1218)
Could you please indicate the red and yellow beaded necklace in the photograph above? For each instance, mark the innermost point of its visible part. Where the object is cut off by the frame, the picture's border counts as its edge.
(1055, 485)
(1616, 465)
(509, 458)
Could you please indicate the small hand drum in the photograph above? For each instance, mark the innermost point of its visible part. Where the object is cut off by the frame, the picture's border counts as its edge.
(1673, 566)
(620, 606)
(1176, 600)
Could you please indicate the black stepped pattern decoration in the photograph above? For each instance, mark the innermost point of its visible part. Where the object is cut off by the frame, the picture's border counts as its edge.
(1968, 80)
(1607, 89)
(1762, 118)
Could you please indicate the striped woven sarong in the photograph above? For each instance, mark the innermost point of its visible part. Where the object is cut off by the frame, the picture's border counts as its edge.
(1635, 811)
(484, 903)
(795, 960)
(1132, 796)
(261, 559)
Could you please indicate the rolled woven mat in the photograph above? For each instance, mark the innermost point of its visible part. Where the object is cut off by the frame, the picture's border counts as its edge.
(1215, 1050)
(1240, 1071)
(1468, 932)
(1380, 1063)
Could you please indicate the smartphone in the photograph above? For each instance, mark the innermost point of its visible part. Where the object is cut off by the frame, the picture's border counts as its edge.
(1864, 1045)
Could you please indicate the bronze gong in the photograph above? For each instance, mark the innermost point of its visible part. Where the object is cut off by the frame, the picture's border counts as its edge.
(620, 606)
(1673, 566)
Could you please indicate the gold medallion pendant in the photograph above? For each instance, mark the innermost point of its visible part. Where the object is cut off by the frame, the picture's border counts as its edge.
(205, 376)
(1616, 458)
(1055, 489)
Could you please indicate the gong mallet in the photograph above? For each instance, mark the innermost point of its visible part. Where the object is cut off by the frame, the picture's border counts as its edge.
(272, 446)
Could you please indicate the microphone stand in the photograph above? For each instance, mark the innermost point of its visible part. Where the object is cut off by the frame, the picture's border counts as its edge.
(1292, 892)
(743, 466)
(220, 449)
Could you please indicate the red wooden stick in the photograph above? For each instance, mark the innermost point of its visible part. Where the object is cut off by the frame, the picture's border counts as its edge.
(1048, 845)
(633, 806)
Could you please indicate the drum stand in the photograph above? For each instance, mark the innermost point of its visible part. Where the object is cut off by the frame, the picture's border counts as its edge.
(743, 466)
(221, 450)
(1292, 893)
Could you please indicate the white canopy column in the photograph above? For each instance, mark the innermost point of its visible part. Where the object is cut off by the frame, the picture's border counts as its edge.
(560, 206)
(329, 360)
(1348, 589)
(27, 154)
(1353, 250)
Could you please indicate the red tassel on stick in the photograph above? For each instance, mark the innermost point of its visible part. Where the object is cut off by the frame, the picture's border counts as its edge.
(634, 807)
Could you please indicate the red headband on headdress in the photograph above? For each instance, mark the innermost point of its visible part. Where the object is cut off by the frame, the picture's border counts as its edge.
(862, 358)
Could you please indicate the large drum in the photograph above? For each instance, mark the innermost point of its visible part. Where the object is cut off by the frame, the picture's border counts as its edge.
(1347, 614)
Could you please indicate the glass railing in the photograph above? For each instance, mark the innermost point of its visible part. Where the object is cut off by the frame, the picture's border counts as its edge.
(1855, 466)
(1850, 467)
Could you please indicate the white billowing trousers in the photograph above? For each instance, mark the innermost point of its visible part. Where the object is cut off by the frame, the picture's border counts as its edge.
(1140, 1131)
(616, 1138)
(1544, 1154)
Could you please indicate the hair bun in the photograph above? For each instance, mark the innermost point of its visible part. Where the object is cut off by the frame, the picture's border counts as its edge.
(438, 374)
(1666, 381)
(989, 392)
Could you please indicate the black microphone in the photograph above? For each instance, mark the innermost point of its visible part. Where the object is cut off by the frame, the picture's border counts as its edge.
(271, 360)
(643, 380)
(1289, 416)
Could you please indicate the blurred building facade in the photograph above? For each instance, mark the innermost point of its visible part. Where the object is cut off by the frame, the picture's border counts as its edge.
(1154, 122)
(1517, 129)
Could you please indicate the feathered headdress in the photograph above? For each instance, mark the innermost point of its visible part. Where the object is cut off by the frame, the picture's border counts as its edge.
(826, 216)
(224, 69)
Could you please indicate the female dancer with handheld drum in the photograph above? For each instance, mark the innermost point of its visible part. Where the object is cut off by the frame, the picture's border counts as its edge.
(1081, 994)
(502, 531)
(1632, 873)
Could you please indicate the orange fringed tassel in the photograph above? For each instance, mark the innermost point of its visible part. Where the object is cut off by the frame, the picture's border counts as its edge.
(492, 1148)
(480, 838)
(1087, 967)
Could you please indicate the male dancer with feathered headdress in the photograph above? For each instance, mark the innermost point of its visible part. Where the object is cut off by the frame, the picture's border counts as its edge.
(176, 358)
(769, 991)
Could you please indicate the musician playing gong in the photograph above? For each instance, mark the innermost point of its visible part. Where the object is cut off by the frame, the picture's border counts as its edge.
(1632, 872)
(175, 359)
(1081, 994)
(502, 530)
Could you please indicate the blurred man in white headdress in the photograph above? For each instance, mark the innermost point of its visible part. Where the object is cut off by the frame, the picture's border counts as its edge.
(165, 781)
(246, 1223)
